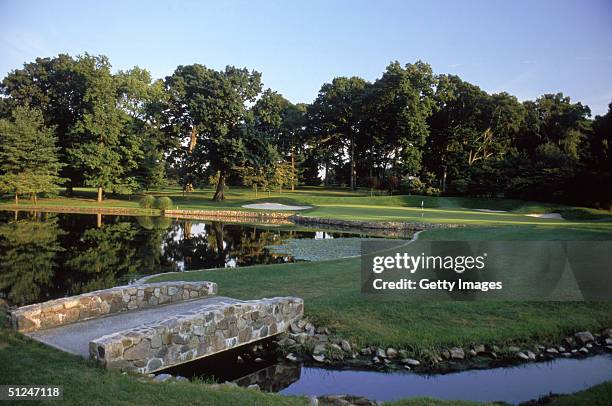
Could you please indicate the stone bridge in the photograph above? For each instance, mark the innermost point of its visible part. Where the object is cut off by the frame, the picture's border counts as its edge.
(152, 326)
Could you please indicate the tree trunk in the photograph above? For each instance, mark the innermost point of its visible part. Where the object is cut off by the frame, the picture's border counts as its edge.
(352, 163)
(99, 220)
(444, 181)
(193, 140)
(16, 199)
(293, 180)
(220, 192)
(326, 179)
(99, 194)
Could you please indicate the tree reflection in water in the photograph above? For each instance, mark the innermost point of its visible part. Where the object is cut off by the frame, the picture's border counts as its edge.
(45, 256)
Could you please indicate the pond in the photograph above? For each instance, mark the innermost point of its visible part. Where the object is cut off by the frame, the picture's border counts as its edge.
(44, 256)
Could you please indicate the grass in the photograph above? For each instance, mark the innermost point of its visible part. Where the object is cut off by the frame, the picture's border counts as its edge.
(346, 204)
(27, 362)
(331, 290)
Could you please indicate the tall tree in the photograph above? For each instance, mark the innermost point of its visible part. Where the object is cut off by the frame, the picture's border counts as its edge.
(102, 152)
(28, 154)
(336, 114)
(209, 108)
(53, 86)
(398, 105)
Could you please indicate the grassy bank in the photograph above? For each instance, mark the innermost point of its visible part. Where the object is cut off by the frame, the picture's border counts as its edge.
(27, 362)
(346, 204)
(331, 290)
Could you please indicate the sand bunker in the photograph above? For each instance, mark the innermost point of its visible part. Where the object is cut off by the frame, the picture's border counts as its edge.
(556, 216)
(491, 211)
(274, 206)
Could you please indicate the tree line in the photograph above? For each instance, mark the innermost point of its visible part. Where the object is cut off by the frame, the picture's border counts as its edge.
(71, 121)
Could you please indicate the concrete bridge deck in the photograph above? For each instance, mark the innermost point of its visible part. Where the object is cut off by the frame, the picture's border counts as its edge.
(75, 338)
(148, 327)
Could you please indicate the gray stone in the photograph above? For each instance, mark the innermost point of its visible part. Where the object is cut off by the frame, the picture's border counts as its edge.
(513, 348)
(472, 353)
(162, 377)
(411, 362)
(318, 349)
(522, 356)
(607, 333)
(608, 341)
(345, 346)
(291, 357)
(391, 352)
(531, 355)
(380, 353)
(457, 353)
(319, 358)
(552, 351)
(584, 337)
(480, 349)
(253, 386)
(181, 379)
(583, 350)
(154, 364)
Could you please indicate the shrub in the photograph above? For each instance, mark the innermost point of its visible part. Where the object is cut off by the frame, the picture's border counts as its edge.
(163, 203)
(147, 201)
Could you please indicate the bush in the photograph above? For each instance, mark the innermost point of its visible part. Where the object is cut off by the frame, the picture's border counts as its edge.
(163, 203)
(147, 201)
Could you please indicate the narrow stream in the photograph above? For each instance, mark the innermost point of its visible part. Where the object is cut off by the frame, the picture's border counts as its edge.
(512, 384)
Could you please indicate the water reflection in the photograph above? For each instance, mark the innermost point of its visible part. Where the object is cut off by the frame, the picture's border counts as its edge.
(48, 255)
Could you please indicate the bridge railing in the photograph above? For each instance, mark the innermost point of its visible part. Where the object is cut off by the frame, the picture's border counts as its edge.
(100, 303)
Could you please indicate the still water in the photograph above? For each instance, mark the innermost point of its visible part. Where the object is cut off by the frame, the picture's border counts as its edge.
(44, 256)
(512, 384)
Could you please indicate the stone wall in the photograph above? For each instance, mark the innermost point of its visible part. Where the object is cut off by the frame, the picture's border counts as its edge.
(103, 302)
(231, 215)
(195, 334)
(358, 224)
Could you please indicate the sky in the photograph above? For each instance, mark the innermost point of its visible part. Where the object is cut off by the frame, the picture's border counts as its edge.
(526, 48)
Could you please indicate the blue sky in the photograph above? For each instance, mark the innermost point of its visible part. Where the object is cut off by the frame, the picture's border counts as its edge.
(526, 48)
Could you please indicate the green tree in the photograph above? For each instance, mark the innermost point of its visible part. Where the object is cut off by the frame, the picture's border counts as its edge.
(28, 155)
(336, 114)
(103, 152)
(209, 108)
(397, 107)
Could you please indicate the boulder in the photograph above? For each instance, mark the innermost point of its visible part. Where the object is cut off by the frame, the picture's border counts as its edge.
(162, 378)
(522, 355)
(345, 346)
(391, 352)
(457, 353)
(411, 362)
(319, 358)
(291, 357)
(584, 337)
